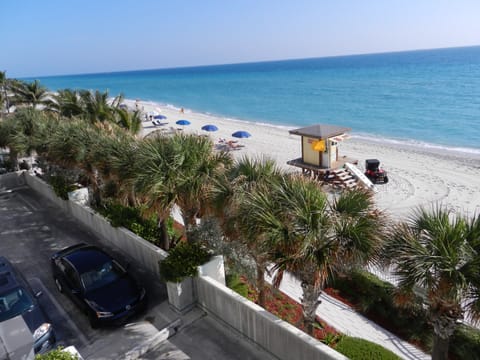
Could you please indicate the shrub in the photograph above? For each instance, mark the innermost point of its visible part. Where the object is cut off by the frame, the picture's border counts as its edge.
(56, 354)
(235, 283)
(131, 218)
(182, 261)
(465, 343)
(61, 186)
(374, 298)
(360, 349)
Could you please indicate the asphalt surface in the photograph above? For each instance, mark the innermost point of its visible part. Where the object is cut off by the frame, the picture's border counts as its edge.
(32, 229)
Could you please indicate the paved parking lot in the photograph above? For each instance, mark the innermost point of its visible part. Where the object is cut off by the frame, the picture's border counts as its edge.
(32, 229)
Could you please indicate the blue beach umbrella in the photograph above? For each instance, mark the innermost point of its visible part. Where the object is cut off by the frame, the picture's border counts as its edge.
(241, 134)
(183, 122)
(160, 117)
(209, 128)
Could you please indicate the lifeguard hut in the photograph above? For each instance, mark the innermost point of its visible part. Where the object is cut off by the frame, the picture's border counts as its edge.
(320, 149)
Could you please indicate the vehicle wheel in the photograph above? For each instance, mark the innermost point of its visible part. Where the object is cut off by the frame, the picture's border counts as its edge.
(385, 180)
(93, 321)
(59, 285)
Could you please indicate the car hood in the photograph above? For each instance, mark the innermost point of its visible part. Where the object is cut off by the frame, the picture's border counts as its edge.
(116, 295)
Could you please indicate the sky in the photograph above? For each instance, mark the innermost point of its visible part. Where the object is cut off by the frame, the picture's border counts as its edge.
(54, 37)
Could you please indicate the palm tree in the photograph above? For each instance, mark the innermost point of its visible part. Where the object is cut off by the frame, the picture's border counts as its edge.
(200, 165)
(113, 155)
(312, 237)
(97, 106)
(19, 132)
(235, 218)
(130, 121)
(4, 84)
(175, 170)
(30, 94)
(66, 103)
(437, 255)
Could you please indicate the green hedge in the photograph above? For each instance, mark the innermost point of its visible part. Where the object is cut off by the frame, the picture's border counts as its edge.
(131, 219)
(465, 343)
(236, 284)
(56, 354)
(360, 349)
(61, 186)
(182, 261)
(375, 299)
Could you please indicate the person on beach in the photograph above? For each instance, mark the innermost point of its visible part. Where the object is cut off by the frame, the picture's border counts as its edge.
(182, 111)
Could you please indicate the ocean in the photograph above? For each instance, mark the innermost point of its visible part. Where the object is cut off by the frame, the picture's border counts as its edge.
(426, 98)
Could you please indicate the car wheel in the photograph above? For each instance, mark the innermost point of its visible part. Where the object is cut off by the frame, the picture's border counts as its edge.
(93, 321)
(59, 285)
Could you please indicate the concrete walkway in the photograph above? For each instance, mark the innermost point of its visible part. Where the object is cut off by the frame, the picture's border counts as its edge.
(348, 321)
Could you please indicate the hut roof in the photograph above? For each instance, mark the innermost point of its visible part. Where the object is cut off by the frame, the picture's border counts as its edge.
(320, 131)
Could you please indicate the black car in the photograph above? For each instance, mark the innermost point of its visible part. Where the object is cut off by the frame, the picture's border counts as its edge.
(98, 284)
(17, 299)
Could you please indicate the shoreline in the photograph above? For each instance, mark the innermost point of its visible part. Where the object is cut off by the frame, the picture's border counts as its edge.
(460, 152)
(418, 176)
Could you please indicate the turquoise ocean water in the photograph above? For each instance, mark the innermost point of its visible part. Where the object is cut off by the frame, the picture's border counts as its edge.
(430, 98)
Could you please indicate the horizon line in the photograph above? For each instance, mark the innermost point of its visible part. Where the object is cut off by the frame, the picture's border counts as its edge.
(248, 62)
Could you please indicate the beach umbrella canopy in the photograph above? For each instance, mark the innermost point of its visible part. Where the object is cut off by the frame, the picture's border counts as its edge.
(209, 127)
(241, 134)
(160, 117)
(183, 122)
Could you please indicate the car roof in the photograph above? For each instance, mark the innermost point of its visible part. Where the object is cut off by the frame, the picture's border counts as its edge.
(87, 258)
(8, 276)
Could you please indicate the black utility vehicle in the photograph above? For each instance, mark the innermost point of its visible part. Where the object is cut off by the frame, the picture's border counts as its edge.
(374, 172)
(98, 284)
(18, 299)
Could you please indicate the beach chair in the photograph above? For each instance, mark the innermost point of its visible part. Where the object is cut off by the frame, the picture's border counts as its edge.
(233, 145)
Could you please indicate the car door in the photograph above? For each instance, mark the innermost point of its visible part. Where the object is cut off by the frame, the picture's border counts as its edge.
(73, 287)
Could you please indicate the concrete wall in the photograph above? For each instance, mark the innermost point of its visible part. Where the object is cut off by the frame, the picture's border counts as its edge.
(215, 269)
(271, 333)
(136, 247)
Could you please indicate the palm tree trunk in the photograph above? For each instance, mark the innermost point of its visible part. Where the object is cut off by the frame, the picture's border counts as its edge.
(261, 284)
(443, 326)
(164, 240)
(14, 160)
(190, 223)
(440, 348)
(7, 103)
(310, 304)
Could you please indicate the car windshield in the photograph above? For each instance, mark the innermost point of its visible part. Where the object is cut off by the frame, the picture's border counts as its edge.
(101, 276)
(14, 302)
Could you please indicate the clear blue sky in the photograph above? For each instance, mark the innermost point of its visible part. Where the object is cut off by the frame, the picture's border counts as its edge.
(48, 37)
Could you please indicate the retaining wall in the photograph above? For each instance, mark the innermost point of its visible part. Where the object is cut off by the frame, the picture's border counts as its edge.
(139, 249)
(271, 333)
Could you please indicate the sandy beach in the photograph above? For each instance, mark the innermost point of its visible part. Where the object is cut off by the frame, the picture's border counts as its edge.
(418, 177)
